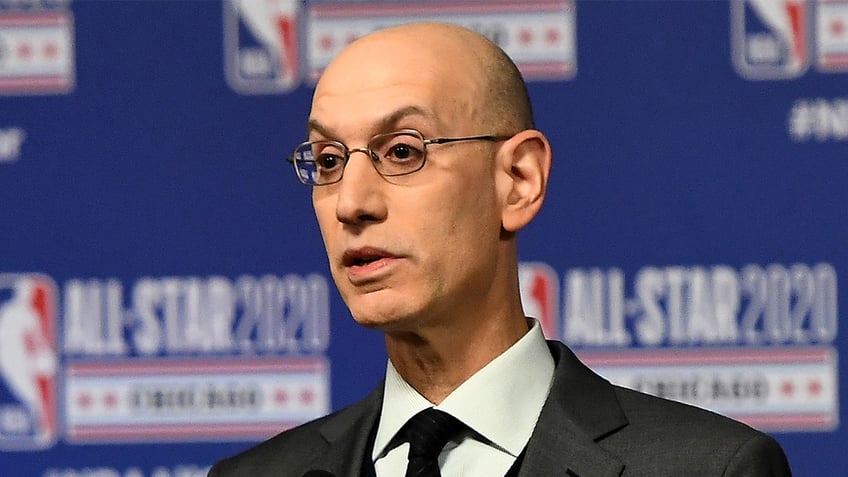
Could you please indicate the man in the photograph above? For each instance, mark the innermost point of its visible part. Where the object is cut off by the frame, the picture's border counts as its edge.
(424, 165)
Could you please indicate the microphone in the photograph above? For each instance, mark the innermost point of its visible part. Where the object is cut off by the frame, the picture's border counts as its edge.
(318, 473)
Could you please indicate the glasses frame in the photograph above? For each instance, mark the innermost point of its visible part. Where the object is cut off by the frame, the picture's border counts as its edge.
(375, 158)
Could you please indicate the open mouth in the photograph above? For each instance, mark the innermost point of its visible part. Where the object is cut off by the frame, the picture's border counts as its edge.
(363, 257)
(358, 262)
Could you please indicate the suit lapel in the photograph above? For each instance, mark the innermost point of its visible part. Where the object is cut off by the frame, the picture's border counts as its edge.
(347, 437)
(580, 410)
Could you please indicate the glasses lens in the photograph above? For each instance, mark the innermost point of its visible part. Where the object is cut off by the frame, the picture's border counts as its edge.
(398, 153)
(320, 162)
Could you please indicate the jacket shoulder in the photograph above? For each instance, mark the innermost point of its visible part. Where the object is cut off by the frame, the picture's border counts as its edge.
(648, 435)
(667, 434)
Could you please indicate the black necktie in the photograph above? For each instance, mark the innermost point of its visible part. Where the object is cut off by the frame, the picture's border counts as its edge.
(427, 433)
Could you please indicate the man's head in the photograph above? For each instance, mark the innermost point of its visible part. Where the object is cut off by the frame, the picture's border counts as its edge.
(416, 251)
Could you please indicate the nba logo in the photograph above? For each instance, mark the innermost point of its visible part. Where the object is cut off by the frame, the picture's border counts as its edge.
(770, 38)
(261, 45)
(540, 296)
(28, 362)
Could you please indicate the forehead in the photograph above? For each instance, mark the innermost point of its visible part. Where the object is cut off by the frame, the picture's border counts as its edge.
(388, 81)
(405, 117)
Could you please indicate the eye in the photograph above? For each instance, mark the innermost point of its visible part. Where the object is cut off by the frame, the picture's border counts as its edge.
(328, 156)
(328, 162)
(401, 152)
(403, 149)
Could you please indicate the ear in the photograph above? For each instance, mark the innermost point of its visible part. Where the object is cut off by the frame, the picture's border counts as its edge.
(524, 166)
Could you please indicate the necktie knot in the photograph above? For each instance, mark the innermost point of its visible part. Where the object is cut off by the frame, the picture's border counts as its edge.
(427, 433)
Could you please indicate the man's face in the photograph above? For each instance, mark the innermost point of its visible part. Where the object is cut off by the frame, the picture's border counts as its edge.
(414, 251)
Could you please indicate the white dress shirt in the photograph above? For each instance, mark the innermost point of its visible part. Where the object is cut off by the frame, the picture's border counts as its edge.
(500, 404)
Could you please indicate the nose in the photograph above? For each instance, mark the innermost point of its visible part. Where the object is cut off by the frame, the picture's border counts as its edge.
(361, 196)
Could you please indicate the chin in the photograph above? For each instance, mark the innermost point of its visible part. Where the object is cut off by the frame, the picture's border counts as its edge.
(376, 307)
(385, 318)
(377, 321)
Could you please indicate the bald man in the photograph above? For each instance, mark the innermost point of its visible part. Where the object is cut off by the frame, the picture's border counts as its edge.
(424, 165)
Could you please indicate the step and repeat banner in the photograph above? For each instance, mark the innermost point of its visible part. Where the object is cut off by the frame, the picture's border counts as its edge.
(164, 294)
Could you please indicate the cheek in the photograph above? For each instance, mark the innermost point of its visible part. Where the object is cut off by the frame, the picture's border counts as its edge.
(462, 226)
(326, 217)
(475, 209)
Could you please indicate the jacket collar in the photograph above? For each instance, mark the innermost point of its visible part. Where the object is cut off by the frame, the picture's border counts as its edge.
(348, 436)
(582, 409)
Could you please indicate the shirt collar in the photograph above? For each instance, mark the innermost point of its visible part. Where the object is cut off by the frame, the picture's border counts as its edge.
(501, 402)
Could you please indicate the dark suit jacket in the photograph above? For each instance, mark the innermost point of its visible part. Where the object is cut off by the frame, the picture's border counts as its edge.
(587, 427)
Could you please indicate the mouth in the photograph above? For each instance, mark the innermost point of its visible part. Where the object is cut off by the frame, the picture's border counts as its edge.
(362, 257)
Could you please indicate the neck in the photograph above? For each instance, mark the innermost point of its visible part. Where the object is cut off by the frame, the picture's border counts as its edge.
(437, 361)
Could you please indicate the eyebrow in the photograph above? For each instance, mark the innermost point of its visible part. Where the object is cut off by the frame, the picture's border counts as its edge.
(383, 125)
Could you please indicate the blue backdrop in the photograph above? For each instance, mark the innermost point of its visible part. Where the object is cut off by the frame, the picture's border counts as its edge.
(164, 295)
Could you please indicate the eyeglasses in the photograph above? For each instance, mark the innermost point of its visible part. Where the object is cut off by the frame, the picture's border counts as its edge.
(393, 154)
